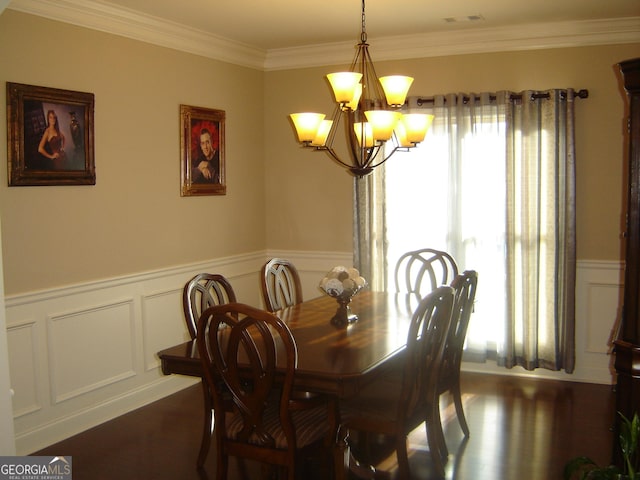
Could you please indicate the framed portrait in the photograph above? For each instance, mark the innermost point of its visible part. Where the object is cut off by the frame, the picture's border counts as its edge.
(50, 136)
(202, 151)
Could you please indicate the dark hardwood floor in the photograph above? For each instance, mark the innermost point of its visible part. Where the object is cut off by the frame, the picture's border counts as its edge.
(521, 429)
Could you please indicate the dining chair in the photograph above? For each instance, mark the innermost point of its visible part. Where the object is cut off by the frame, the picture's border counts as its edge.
(465, 286)
(396, 405)
(204, 290)
(421, 271)
(256, 416)
(201, 292)
(281, 285)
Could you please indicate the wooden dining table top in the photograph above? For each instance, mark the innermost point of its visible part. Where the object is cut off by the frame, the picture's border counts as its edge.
(331, 359)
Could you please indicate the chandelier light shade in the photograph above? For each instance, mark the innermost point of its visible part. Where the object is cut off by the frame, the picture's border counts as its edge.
(396, 88)
(307, 125)
(412, 128)
(322, 133)
(344, 85)
(368, 110)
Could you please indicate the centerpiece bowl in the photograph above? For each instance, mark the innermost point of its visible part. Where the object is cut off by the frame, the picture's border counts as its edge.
(342, 284)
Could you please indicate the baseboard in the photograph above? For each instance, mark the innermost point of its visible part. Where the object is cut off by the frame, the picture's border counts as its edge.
(601, 375)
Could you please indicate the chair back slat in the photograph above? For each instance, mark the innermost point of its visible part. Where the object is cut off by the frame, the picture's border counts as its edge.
(422, 271)
(280, 284)
(201, 292)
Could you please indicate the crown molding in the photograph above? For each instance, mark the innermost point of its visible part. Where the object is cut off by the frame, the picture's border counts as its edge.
(131, 24)
(461, 42)
(145, 28)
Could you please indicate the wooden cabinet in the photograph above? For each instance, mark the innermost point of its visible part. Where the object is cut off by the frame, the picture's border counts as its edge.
(630, 330)
(627, 346)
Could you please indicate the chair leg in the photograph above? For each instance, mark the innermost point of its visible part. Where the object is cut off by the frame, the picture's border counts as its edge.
(443, 450)
(435, 432)
(291, 472)
(340, 451)
(207, 426)
(403, 458)
(457, 400)
(222, 464)
(435, 439)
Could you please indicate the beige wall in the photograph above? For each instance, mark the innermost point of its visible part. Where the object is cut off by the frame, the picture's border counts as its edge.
(309, 197)
(133, 220)
(280, 197)
(324, 192)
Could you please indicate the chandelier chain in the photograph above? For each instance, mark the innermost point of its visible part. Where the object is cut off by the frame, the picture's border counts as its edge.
(363, 34)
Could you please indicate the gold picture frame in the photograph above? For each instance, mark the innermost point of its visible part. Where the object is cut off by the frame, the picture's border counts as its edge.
(202, 138)
(50, 136)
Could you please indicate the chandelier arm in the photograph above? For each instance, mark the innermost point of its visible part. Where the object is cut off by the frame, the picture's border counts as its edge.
(337, 116)
(372, 80)
(331, 152)
(359, 155)
(362, 156)
(373, 153)
(395, 149)
(353, 147)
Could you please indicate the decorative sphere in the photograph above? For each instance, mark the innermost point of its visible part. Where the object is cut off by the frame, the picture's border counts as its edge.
(342, 282)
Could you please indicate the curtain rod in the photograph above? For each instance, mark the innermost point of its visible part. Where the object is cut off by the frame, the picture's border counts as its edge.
(582, 93)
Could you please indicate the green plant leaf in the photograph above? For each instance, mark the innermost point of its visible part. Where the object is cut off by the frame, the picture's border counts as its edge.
(583, 468)
(610, 472)
(578, 468)
(628, 441)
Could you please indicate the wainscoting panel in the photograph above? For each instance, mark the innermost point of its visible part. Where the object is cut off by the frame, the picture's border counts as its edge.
(601, 323)
(158, 333)
(23, 351)
(81, 355)
(599, 290)
(82, 345)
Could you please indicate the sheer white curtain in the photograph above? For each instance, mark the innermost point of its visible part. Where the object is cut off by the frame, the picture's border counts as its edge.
(493, 184)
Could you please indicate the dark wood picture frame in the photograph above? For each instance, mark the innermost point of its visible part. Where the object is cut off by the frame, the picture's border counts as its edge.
(202, 138)
(42, 154)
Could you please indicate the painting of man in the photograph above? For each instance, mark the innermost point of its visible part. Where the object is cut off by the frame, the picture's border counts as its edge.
(205, 168)
(203, 162)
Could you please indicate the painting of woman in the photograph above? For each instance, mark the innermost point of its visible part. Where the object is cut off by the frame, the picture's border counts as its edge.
(52, 143)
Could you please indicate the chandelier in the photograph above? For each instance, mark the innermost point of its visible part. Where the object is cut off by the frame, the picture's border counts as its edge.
(368, 107)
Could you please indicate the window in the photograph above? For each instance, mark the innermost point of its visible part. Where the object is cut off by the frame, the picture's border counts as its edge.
(456, 206)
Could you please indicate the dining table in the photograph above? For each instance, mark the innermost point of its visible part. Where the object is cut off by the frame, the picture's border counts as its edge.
(336, 360)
